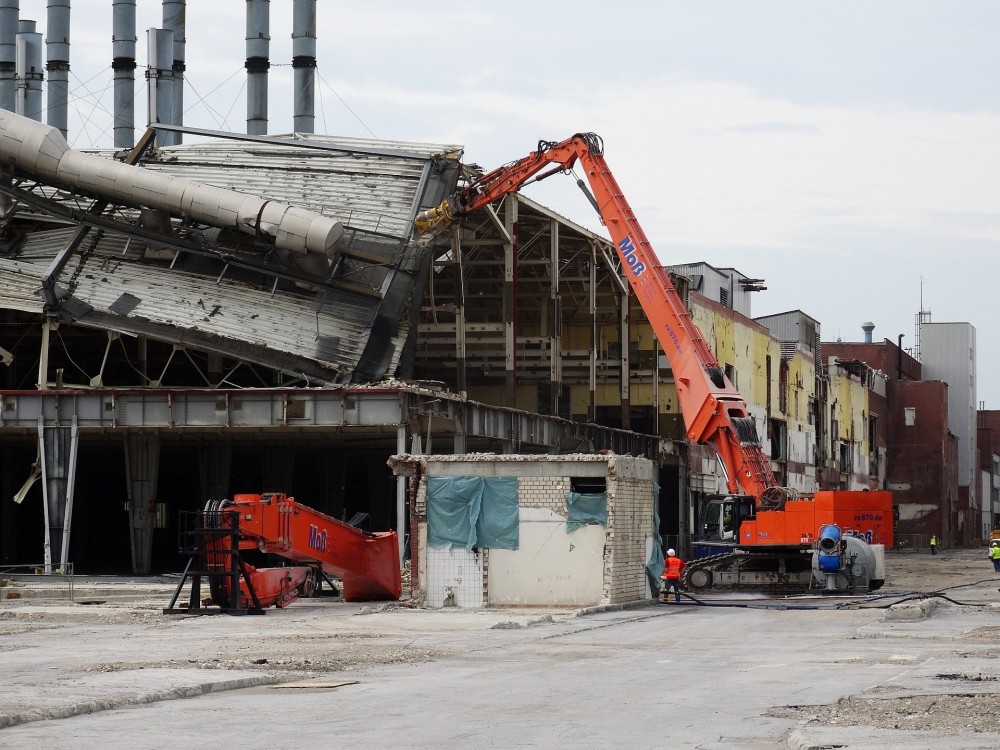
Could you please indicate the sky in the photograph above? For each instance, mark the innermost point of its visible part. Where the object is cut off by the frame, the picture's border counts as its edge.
(847, 153)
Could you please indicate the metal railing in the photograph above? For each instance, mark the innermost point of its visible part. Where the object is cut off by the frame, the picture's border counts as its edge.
(31, 581)
(918, 543)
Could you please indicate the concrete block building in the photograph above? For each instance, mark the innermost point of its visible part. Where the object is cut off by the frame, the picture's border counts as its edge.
(555, 560)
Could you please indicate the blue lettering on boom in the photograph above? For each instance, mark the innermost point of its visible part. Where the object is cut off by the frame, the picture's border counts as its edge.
(628, 253)
(317, 538)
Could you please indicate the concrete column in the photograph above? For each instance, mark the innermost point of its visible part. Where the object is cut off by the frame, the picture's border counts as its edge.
(215, 465)
(401, 518)
(258, 63)
(461, 369)
(304, 65)
(174, 12)
(7, 491)
(592, 409)
(58, 448)
(142, 462)
(160, 74)
(29, 70)
(510, 301)
(57, 64)
(123, 63)
(555, 325)
(277, 469)
(9, 12)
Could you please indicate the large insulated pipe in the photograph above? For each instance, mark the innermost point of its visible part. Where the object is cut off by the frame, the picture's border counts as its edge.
(41, 151)
(123, 63)
(57, 64)
(9, 13)
(29, 70)
(160, 74)
(257, 64)
(304, 65)
(174, 20)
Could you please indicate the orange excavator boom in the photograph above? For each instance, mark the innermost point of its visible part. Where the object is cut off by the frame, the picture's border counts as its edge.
(714, 412)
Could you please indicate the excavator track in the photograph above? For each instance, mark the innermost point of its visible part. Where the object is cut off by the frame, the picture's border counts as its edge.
(757, 571)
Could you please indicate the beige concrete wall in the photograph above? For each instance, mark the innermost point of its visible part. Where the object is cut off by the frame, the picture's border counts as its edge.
(552, 566)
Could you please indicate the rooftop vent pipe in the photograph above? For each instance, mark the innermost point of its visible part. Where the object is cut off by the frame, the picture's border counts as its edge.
(174, 15)
(29, 70)
(868, 327)
(304, 65)
(57, 63)
(123, 63)
(9, 12)
(257, 64)
(41, 151)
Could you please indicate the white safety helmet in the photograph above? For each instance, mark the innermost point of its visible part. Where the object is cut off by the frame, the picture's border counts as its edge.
(670, 553)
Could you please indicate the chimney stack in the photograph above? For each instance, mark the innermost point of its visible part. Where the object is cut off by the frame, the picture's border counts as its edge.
(57, 64)
(123, 63)
(9, 13)
(159, 72)
(304, 65)
(29, 71)
(257, 64)
(174, 15)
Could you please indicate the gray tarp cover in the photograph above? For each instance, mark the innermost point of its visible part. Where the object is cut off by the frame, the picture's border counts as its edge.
(472, 512)
(654, 565)
(584, 508)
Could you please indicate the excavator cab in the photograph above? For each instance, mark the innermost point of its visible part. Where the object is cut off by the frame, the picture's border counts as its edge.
(719, 526)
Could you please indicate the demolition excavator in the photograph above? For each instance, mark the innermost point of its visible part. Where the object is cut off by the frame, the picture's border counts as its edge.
(759, 534)
(323, 548)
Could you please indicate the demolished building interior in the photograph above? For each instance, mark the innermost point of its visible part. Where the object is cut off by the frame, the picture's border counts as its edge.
(160, 355)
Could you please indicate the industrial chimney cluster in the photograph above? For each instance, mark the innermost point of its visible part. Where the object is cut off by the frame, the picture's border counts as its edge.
(21, 72)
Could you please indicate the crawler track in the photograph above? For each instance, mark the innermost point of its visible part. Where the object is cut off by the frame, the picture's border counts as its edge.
(771, 572)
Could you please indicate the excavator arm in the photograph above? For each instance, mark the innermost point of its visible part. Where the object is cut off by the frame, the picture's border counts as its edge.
(714, 412)
(367, 564)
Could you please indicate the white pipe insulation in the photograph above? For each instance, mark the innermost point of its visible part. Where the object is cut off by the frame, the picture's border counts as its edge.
(41, 151)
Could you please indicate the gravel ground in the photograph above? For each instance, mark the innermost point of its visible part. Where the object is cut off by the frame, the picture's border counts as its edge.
(305, 643)
(966, 701)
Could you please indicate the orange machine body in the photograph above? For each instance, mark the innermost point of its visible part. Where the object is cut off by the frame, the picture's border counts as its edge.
(366, 563)
(866, 515)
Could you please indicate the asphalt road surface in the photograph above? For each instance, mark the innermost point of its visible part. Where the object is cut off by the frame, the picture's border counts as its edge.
(915, 667)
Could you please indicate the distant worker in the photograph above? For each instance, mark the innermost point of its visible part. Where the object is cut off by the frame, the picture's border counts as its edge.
(673, 567)
(995, 556)
(933, 544)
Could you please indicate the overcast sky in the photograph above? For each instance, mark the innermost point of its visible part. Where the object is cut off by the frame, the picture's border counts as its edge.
(848, 153)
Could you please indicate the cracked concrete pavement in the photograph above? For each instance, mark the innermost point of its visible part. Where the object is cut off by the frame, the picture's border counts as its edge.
(917, 666)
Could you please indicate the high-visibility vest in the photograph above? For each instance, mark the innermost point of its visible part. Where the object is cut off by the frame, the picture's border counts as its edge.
(673, 568)
(995, 553)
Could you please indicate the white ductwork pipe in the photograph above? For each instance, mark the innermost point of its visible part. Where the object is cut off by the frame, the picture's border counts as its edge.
(41, 151)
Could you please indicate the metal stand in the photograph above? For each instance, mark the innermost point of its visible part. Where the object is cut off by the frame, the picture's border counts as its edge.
(207, 540)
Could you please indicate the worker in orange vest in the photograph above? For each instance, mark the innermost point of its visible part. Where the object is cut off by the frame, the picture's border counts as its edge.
(673, 567)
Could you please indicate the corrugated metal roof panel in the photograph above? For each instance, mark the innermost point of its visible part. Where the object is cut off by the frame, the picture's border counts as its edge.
(375, 192)
(335, 334)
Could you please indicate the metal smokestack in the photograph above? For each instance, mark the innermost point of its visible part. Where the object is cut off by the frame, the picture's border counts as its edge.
(29, 70)
(304, 65)
(57, 64)
(868, 327)
(159, 72)
(257, 64)
(174, 15)
(9, 12)
(123, 63)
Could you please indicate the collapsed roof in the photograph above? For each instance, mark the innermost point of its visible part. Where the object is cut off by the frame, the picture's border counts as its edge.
(290, 252)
